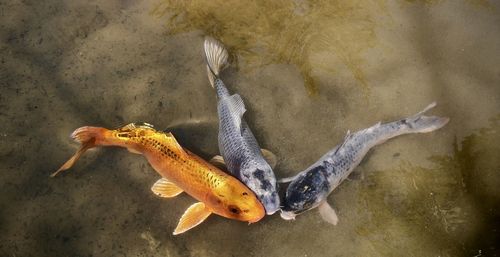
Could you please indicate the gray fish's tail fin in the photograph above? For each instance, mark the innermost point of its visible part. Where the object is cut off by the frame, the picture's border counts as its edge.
(419, 123)
(216, 57)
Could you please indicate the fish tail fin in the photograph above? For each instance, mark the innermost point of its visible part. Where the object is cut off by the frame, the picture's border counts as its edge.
(88, 137)
(419, 123)
(216, 57)
(87, 134)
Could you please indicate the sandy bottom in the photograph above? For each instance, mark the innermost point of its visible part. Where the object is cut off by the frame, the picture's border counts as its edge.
(308, 72)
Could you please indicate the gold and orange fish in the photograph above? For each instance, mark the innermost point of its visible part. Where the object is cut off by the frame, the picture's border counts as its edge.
(216, 191)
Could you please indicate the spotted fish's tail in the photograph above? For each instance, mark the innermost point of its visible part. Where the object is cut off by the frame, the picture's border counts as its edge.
(419, 123)
(88, 137)
(216, 57)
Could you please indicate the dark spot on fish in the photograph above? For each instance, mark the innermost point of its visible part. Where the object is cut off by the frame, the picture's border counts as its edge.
(245, 193)
(304, 191)
(264, 184)
(234, 209)
(259, 174)
(409, 124)
(325, 169)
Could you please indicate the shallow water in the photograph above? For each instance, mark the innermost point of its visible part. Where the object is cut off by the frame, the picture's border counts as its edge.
(308, 72)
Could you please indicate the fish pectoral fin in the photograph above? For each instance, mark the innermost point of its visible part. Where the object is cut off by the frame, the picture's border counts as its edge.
(328, 213)
(164, 188)
(192, 217)
(270, 157)
(218, 162)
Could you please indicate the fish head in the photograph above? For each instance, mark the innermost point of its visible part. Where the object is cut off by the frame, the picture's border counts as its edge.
(271, 202)
(306, 192)
(262, 182)
(236, 201)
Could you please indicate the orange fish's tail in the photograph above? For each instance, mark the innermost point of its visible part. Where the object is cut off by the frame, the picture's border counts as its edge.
(88, 137)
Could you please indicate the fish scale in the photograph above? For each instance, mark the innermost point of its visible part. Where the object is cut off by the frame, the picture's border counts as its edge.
(310, 188)
(237, 144)
(197, 175)
(181, 171)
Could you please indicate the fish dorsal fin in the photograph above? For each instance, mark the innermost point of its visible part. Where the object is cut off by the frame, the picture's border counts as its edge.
(132, 126)
(175, 145)
(192, 217)
(328, 213)
(127, 127)
(144, 125)
(237, 106)
(164, 188)
(347, 136)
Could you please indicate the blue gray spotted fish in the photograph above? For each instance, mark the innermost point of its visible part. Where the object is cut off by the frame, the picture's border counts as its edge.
(237, 144)
(310, 188)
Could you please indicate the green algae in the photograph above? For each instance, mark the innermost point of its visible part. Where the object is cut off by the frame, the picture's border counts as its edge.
(265, 32)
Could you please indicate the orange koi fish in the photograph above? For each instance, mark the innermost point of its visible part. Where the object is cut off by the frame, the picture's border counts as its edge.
(181, 170)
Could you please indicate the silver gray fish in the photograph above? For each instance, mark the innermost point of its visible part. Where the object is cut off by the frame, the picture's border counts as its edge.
(237, 144)
(310, 188)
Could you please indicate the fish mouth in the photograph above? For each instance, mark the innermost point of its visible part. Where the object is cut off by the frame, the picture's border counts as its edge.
(257, 216)
(287, 215)
(271, 212)
(271, 203)
(271, 208)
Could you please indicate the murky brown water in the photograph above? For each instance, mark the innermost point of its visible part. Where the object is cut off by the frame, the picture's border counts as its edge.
(308, 72)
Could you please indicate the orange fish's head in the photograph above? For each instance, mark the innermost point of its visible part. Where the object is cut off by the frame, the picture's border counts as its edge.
(236, 201)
